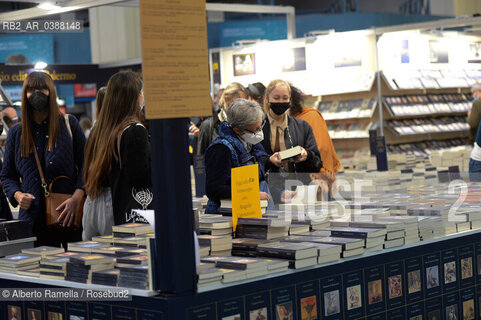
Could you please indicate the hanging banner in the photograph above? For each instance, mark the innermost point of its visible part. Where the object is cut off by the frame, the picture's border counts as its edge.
(64, 73)
(175, 58)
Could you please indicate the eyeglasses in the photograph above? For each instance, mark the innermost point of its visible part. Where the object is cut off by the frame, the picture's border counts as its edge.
(258, 130)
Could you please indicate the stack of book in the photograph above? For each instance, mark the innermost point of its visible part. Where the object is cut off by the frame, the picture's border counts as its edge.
(470, 215)
(219, 245)
(43, 251)
(350, 246)
(313, 217)
(214, 225)
(374, 238)
(276, 265)
(139, 241)
(252, 266)
(369, 231)
(298, 228)
(104, 239)
(55, 267)
(113, 251)
(80, 267)
(232, 275)
(106, 277)
(326, 252)
(131, 261)
(85, 246)
(136, 277)
(433, 221)
(299, 255)
(19, 262)
(129, 230)
(262, 228)
(247, 247)
(411, 227)
(209, 276)
(429, 227)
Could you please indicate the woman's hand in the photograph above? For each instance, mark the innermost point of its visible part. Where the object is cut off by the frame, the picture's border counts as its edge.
(24, 199)
(287, 196)
(69, 209)
(193, 130)
(265, 196)
(275, 160)
(302, 157)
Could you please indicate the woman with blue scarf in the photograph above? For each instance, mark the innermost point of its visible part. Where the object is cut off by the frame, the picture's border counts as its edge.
(238, 145)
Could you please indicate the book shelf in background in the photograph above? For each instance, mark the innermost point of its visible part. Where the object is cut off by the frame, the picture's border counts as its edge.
(428, 109)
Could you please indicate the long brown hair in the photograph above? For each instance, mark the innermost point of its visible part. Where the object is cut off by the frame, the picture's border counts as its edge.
(119, 109)
(39, 80)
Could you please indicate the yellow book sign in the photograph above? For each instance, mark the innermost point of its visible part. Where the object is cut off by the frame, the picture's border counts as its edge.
(246, 200)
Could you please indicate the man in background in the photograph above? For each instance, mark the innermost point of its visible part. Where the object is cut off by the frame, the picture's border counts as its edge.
(474, 115)
(9, 118)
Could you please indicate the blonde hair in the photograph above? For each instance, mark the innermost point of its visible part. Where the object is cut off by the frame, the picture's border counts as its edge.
(231, 93)
(272, 85)
(476, 87)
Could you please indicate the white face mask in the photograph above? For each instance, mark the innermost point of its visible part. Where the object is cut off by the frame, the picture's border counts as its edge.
(253, 138)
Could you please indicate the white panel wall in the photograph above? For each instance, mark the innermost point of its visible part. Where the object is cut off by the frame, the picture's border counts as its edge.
(115, 34)
(442, 8)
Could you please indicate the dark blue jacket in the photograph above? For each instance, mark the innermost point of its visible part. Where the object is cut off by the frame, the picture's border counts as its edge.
(21, 174)
(219, 160)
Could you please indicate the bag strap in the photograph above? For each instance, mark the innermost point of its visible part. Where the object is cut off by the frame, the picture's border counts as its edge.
(119, 137)
(67, 123)
(40, 171)
(39, 166)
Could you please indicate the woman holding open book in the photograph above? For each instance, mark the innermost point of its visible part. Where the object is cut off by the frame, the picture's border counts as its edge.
(282, 133)
(117, 159)
(44, 147)
(238, 145)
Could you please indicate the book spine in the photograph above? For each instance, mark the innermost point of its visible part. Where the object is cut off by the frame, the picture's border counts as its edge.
(253, 222)
(277, 253)
(244, 246)
(349, 234)
(230, 265)
(244, 253)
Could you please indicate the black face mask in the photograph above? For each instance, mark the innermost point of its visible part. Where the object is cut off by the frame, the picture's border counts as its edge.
(280, 107)
(38, 101)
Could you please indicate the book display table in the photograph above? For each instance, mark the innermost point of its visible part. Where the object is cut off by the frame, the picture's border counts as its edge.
(433, 278)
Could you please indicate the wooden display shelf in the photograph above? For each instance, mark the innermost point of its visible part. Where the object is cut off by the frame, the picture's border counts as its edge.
(393, 138)
(351, 143)
(390, 116)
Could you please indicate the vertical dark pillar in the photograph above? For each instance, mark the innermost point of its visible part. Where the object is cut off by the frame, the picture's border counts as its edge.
(174, 221)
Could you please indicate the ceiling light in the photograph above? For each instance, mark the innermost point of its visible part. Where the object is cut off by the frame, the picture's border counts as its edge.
(48, 6)
(40, 65)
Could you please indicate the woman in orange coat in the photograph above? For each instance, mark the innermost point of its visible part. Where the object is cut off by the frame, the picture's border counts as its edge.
(331, 163)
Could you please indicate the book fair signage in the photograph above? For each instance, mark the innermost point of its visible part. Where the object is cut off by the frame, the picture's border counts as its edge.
(175, 58)
(246, 202)
(15, 75)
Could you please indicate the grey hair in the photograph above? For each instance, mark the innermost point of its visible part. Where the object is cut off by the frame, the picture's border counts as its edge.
(476, 87)
(242, 113)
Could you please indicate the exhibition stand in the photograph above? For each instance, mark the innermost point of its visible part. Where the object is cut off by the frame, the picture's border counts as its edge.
(411, 282)
(405, 290)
